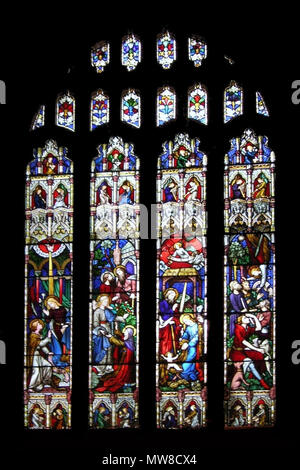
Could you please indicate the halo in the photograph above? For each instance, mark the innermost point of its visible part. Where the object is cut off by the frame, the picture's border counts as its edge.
(120, 266)
(129, 326)
(51, 297)
(169, 290)
(105, 272)
(186, 315)
(103, 295)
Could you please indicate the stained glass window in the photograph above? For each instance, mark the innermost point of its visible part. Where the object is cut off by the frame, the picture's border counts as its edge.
(111, 299)
(131, 52)
(48, 289)
(181, 334)
(100, 55)
(197, 103)
(197, 50)
(166, 50)
(114, 287)
(39, 119)
(99, 109)
(131, 108)
(249, 283)
(261, 107)
(233, 101)
(166, 105)
(65, 111)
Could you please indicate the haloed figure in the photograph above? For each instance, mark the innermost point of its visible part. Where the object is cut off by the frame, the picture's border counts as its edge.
(39, 198)
(58, 321)
(39, 357)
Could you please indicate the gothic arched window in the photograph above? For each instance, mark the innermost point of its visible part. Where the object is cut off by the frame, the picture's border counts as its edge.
(136, 322)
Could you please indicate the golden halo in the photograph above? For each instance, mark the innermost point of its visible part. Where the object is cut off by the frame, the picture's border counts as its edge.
(103, 274)
(186, 315)
(129, 326)
(120, 266)
(103, 295)
(49, 297)
(171, 289)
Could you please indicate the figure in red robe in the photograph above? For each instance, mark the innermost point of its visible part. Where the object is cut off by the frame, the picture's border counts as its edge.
(124, 371)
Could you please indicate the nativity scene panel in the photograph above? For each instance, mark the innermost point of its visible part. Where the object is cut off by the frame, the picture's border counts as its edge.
(181, 326)
(48, 290)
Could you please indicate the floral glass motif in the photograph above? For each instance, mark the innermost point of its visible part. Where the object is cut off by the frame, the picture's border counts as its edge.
(48, 289)
(166, 105)
(99, 109)
(197, 50)
(131, 108)
(261, 107)
(100, 55)
(65, 111)
(131, 52)
(197, 103)
(114, 287)
(39, 119)
(181, 316)
(166, 50)
(233, 101)
(249, 283)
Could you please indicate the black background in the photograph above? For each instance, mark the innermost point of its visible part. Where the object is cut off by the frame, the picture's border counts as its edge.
(41, 59)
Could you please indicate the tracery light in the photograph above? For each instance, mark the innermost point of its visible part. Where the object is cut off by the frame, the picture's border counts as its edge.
(166, 50)
(100, 55)
(38, 119)
(65, 111)
(197, 50)
(99, 113)
(197, 103)
(261, 107)
(166, 105)
(131, 108)
(233, 101)
(131, 52)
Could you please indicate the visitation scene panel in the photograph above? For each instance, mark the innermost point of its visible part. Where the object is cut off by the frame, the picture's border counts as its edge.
(114, 287)
(48, 289)
(181, 334)
(249, 283)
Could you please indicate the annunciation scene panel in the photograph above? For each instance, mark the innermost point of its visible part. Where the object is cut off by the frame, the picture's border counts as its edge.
(48, 289)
